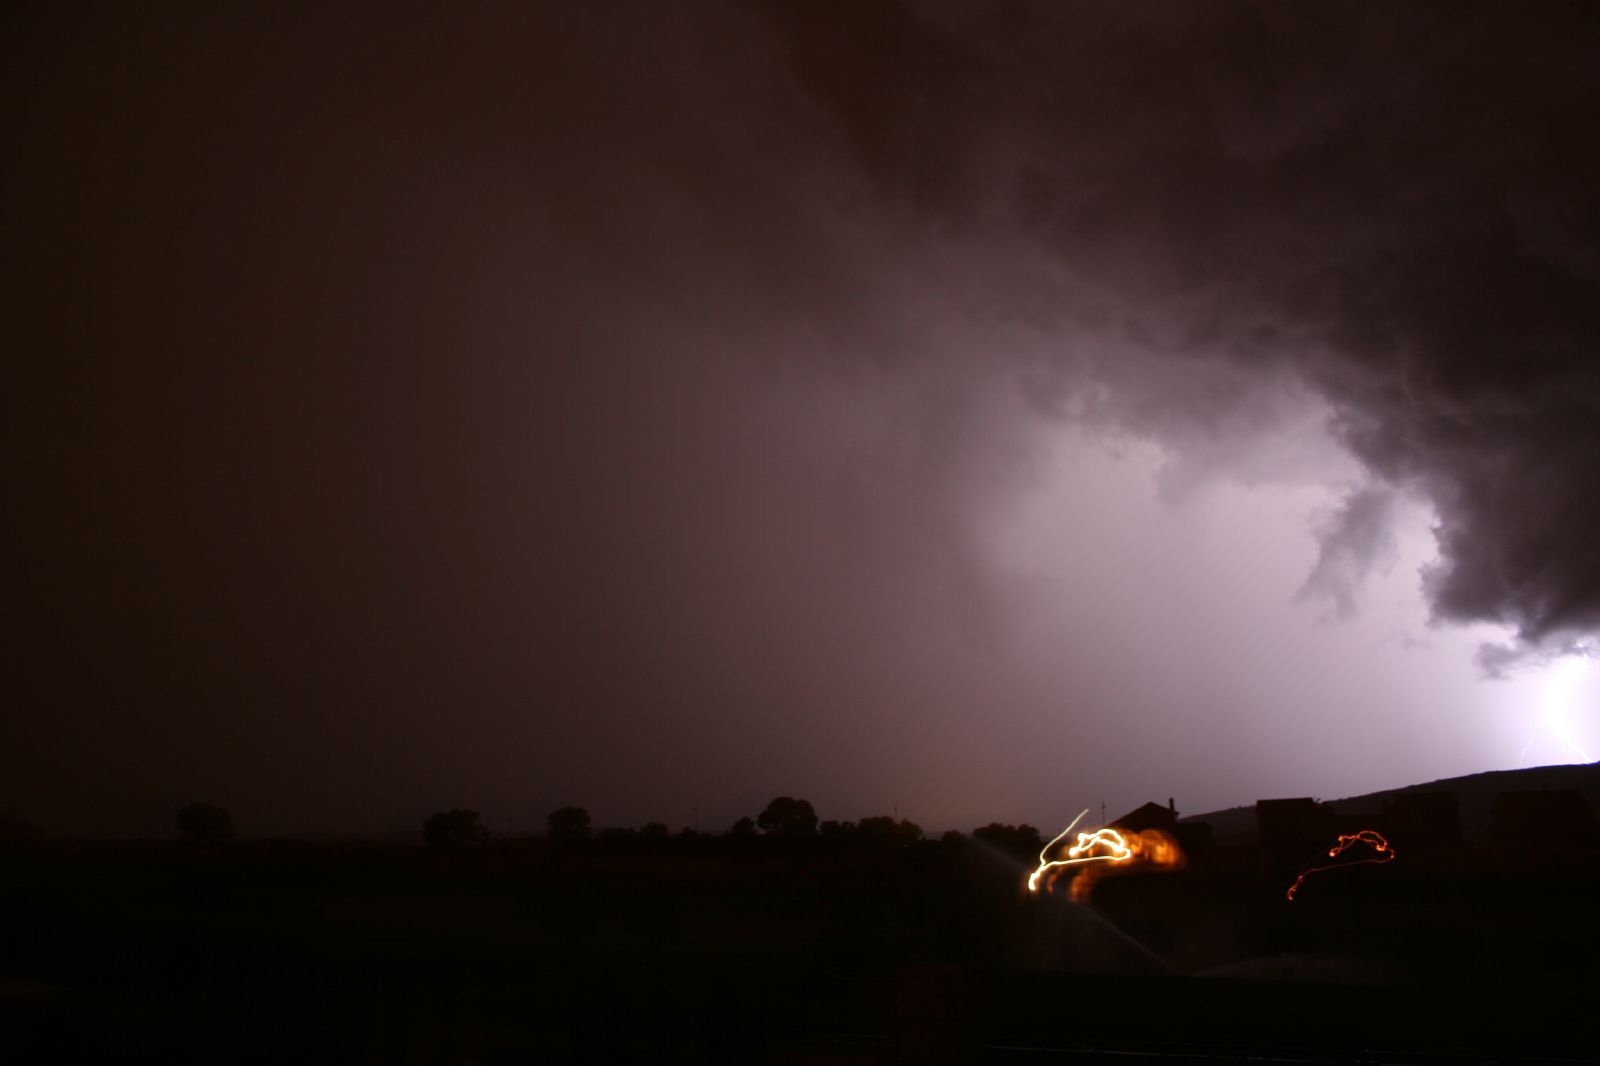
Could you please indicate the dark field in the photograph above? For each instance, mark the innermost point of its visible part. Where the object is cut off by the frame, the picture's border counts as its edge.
(523, 950)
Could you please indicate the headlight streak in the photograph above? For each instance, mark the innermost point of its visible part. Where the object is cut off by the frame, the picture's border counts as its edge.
(1075, 854)
(1151, 847)
(1382, 850)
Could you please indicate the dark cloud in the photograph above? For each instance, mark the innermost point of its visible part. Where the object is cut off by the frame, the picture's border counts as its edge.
(1399, 204)
(1355, 539)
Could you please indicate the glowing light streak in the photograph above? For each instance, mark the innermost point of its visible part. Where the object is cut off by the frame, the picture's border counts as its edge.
(1109, 838)
(1382, 850)
(1077, 854)
(1105, 846)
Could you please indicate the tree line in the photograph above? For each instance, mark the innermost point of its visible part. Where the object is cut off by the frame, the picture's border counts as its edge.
(785, 818)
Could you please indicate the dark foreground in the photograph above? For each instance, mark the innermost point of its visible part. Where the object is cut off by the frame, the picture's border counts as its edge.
(520, 952)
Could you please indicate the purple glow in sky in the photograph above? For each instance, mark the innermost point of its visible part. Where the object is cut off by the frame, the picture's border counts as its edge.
(980, 409)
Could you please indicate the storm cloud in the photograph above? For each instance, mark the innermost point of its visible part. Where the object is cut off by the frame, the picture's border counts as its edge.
(609, 397)
(1398, 203)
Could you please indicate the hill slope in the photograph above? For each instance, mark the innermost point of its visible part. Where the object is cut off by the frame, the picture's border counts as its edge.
(1475, 792)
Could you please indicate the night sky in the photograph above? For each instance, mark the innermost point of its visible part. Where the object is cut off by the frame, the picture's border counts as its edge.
(980, 410)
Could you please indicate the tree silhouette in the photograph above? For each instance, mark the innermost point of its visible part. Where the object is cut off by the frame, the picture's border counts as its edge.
(454, 828)
(568, 823)
(654, 831)
(1019, 839)
(744, 827)
(788, 817)
(883, 829)
(12, 828)
(205, 825)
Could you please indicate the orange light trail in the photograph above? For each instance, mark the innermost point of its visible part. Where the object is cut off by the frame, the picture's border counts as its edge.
(1105, 846)
(1383, 852)
(1078, 854)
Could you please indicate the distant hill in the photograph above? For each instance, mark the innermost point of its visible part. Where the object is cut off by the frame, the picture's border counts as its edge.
(1475, 792)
